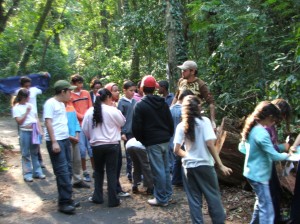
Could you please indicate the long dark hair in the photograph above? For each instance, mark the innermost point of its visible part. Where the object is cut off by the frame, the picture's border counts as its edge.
(23, 93)
(286, 112)
(263, 110)
(190, 111)
(97, 116)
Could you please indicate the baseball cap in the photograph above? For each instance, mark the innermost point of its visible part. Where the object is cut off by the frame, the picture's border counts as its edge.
(149, 81)
(63, 84)
(188, 65)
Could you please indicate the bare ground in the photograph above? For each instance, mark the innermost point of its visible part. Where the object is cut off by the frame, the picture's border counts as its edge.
(36, 202)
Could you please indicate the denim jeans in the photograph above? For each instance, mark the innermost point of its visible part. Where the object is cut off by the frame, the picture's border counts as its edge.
(106, 157)
(263, 207)
(30, 163)
(84, 145)
(61, 163)
(159, 161)
(198, 181)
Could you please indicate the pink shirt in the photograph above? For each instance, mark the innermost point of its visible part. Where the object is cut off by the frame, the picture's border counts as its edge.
(137, 97)
(109, 132)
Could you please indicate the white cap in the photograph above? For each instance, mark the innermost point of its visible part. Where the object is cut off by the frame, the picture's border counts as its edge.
(188, 65)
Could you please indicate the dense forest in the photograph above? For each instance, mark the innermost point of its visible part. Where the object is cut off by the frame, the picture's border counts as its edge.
(246, 50)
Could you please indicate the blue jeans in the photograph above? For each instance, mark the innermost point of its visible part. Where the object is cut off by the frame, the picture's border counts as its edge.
(263, 207)
(198, 181)
(62, 168)
(159, 161)
(106, 158)
(30, 163)
(84, 145)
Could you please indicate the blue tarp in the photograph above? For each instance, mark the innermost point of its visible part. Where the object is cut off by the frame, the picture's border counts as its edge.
(10, 85)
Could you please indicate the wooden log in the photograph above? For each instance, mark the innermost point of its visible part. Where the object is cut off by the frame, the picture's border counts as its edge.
(232, 125)
(233, 159)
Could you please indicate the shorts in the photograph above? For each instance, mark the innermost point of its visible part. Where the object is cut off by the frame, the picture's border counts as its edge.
(84, 146)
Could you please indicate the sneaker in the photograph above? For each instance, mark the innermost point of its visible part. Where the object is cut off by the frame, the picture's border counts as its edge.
(154, 202)
(28, 179)
(67, 209)
(135, 190)
(123, 194)
(42, 176)
(81, 184)
(86, 177)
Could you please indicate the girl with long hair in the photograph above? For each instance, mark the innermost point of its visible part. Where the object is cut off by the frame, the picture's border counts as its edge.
(259, 150)
(199, 176)
(27, 120)
(275, 188)
(101, 125)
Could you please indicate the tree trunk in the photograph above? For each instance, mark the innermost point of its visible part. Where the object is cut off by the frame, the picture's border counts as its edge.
(29, 49)
(104, 25)
(4, 17)
(175, 41)
(227, 144)
(135, 64)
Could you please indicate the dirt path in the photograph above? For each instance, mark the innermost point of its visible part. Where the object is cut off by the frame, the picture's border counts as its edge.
(36, 202)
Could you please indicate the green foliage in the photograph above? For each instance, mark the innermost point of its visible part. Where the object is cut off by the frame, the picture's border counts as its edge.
(247, 52)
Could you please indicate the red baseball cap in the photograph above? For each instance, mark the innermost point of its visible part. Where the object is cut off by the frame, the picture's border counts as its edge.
(149, 81)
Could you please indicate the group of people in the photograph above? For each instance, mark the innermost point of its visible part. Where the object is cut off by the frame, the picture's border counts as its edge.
(168, 141)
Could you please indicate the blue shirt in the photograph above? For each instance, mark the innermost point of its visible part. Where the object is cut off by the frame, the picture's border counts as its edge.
(259, 155)
(176, 115)
(169, 98)
(73, 123)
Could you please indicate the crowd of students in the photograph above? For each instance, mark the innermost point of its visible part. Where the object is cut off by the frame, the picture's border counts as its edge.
(168, 141)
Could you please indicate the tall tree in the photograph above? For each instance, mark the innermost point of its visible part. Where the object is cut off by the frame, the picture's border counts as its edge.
(5, 16)
(29, 49)
(175, 40)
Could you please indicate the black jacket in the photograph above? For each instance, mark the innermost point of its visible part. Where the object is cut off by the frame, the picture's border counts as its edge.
(152, 121)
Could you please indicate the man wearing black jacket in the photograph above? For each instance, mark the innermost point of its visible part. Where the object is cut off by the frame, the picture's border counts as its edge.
(152, 125)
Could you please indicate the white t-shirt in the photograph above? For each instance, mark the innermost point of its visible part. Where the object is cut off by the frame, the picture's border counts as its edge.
(57, 112)
(32, 96)
(20, 109)
(34, 91)
(197, 152)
